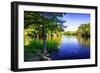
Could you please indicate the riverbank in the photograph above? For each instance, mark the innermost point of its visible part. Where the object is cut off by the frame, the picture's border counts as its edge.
(70, 47)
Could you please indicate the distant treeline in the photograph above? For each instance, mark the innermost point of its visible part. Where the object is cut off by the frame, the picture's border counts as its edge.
(83, 30)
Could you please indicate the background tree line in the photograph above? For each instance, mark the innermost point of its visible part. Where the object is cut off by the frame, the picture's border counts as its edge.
(83, 30)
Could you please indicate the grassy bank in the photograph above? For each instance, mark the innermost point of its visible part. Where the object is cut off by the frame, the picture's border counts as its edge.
(36, 45)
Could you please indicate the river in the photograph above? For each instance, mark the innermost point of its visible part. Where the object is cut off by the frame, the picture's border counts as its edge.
(72, 47)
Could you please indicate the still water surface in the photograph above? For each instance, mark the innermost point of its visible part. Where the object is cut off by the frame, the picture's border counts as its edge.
(72, 47)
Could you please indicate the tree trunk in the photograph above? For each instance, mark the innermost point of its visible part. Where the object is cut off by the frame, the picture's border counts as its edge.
(51, 34)
(44, 43)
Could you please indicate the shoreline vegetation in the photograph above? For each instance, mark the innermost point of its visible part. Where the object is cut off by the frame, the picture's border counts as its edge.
(83, 31)
(42, 34)
(33, 49)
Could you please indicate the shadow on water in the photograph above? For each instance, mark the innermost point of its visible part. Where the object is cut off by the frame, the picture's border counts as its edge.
(62, 48)
(84, 41)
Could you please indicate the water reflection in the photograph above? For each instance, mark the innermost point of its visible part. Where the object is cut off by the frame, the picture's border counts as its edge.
(72, 47)
(84, 40)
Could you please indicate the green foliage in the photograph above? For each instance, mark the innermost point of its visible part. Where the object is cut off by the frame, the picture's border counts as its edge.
(84, 30)
(40, 22)
(34, 45)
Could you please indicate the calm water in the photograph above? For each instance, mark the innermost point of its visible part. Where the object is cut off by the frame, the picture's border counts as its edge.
(72, 47)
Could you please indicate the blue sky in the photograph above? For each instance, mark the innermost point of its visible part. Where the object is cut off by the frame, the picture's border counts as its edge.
(73, 20)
